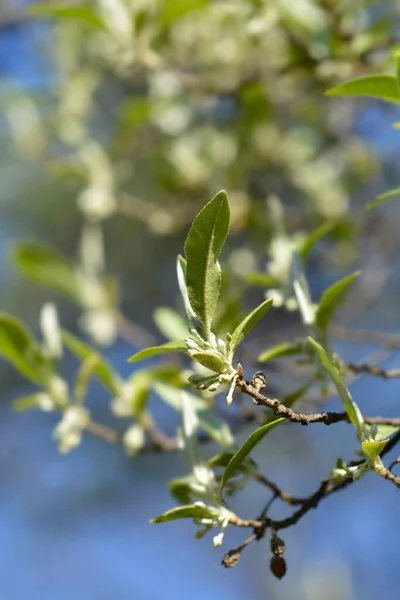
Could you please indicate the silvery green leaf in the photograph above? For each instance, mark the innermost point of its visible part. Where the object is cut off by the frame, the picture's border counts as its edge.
(103, 369)
(177, 346)
(181, 488)
(247, 324)
(283, 349)
(300, 289)
(192, 511)
(313, 237)
(47, 267)
(383, 87)
(245, 450)
(202, 248)
(331, 299)
(210, 361)
(84, 13)
(171, 324)
(181, 274)
(19, 347)
(86, 371)
(51, 330)
(350, 406)
(383, 197)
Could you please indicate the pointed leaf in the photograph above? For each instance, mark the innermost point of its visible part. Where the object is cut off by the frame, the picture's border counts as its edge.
(19, 347)
(84, 13)
(301, 290)
(181, 489)
(202, 248)
(210, 361)
(247, 324)
(171, 324)
(102, 368)
(245, 450)
(313, 237)
(383, 197)
(47, 267)
(27, 402)
(177, 346)
(283, 349)
(260, 278)
(181, 274)
(85, 373)
(331, 299)
(376, 86)
(350, 406)
(374, 448)
(191, 511)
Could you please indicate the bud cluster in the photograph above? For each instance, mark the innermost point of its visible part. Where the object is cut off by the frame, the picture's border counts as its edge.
(214, 354)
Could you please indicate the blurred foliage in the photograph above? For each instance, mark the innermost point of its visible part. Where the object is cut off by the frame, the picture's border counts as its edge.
(154, 106)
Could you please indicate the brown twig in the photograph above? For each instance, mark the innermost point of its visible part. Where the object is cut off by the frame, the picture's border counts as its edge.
(102, 431)
(328, 418)
(376, 337)
(387, 474)
(372, 370)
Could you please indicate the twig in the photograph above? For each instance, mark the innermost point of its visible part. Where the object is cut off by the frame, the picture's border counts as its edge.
(384, 339)
(371, 370)
(387, 474)
(328, 418)
(102, 431)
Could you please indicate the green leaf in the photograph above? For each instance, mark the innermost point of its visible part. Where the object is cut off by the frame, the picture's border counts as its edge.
(202, 248)
(373, 449)
(301, 290)
(48, 268)
(210, 361)
(102, 368)
(248, 466)
(181, 274)
(260, 278)
(247, 324)
(313, 237)
(181, 489)
(376, 86)
(27, 402)
(191, 511)
(245, 450)
(383, 197)
(83, 13)
(19, 347)
(177, 346)
(171, 324)
(350, 406)
(384, 431)
(283, 349)
(331, 299)
(87, 369)
(208, 421)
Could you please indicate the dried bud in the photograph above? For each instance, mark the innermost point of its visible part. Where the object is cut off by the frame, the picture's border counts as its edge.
(278, 566)
(240, 371)
(258, 382)
(231, 559)
(277, 546)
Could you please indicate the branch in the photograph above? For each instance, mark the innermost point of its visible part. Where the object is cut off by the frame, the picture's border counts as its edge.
(328, 418)
(384, 339)
(371, 370)
(325, 489)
